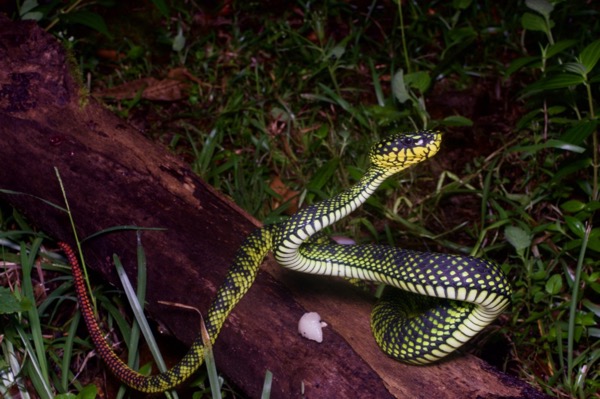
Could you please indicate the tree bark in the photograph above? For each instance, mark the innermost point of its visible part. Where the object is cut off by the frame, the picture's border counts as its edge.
(113, 176)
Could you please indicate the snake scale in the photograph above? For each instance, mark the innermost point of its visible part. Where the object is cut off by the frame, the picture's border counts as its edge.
(439, 301)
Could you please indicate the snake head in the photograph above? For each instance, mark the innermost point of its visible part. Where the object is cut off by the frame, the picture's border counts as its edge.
(401, 150)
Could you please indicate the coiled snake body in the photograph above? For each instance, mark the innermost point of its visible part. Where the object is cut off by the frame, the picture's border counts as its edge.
(442, 301)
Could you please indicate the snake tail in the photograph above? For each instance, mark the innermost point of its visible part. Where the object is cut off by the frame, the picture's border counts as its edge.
(238, 280)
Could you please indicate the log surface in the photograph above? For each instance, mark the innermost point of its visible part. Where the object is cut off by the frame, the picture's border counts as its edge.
(114, 176)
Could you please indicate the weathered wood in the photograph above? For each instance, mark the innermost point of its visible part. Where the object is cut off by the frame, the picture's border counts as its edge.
(114, 176)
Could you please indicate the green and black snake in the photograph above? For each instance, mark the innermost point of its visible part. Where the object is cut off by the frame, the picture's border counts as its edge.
(441, 300)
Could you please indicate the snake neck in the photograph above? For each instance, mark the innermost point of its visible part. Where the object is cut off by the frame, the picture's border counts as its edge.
(299, 228)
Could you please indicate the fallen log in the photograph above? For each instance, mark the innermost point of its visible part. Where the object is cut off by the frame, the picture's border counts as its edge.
(114, 176)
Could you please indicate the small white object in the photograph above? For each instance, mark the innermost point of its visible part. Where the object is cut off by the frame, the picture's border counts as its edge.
(310, 326)
(343, 240)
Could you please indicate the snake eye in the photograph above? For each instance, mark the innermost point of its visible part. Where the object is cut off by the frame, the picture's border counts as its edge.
(408, 141)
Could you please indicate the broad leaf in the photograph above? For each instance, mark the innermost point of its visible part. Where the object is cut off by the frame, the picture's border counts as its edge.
(590, 55)
(580, 131)
(9, 303)
(517, 237)
(534, 22)
(559, 47)
(561, 81)
(457, 120)
(399, 87)
(461, 4)
(554, 284)
(418, 80)
(89, 19)
(575, 225)
(572, 206)
(544, 7)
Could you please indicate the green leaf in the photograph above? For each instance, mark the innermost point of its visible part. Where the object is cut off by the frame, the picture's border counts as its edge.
(323, 174)
(554, 284)
(561, 81)
(594, 244)
(419, 80)
(89, 19)
(517, 237)
(9, 303)
(591, 306)
(88, 392)
(542, 6)
(571, 168)
(520, 63)
(533, 22)
(575, 67)
(65, 396)
(552, 143)
(572, 206)
(556, 110)
(575, 225)
(461, 4)
(399, 87)
(580, 131)
(590, 55)
(27, 6)
(26, 11)
(162, 7)
(336, 52)
(457, 120)
(593, 206)
(559, 47)
(179, 40)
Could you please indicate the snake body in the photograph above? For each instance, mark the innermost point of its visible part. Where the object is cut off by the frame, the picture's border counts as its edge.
(436, 302)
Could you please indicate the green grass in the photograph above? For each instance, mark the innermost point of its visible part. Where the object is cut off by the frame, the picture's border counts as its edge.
(298, 93)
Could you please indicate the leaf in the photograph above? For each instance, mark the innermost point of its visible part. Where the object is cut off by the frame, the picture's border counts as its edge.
(580, 131)
(594, 244)
(571, 168)
(336, 52)
(399, 87)
(556, 110)
(323, 174)
(26, 13)
(9, 303)
(572, 206)
(542, 6)
(554, 284)
(575, 225)
(89, 19)
(533, 22)
(591, 207)
(88, 392)
(552, 143)
(590, 55)
(517, 237)
(558, 47)
(591, 306)
(561, 81)
(162, 7)
(520, 63)
(457, 120)
(419, 80)
(27, 6)
(178, 41)
(575, 67)
(461, 4)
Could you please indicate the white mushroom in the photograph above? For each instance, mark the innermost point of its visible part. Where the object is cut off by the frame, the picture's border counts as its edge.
(310, 326)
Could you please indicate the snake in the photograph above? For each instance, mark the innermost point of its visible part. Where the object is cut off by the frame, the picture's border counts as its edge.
(432, 304)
